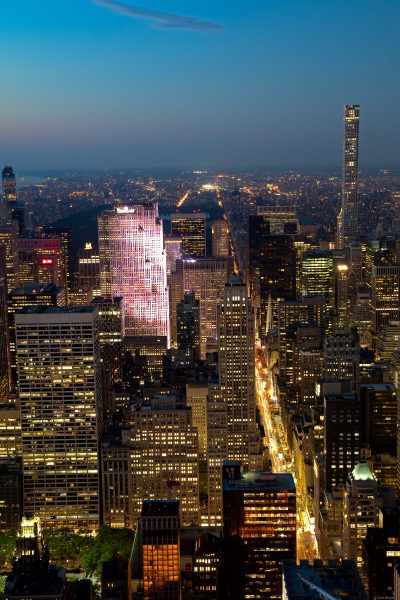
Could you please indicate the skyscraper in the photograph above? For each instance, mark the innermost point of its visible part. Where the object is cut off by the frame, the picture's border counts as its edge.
(350, 197)
(61, 413)
(259, 531)
(133, 266)
(156, 551)
(272, 267)
(188, 327)
(191, 227)
(236, 348)
(206, 277)
(220, 237)
(4, 340)
(9, 201)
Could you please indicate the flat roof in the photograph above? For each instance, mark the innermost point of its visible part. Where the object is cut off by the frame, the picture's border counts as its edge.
(34, 288)
(46, 310)
(262, 481)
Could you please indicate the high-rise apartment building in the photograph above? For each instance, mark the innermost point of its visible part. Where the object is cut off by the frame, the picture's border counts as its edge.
(220, 237)
(133, 266)
(89, 271)
(236, 361)
(64, 235)
(156, 551)
(350, 198)
(217, 452)
(9, 246)
(191, 228)
(259, 531)
(379, 417)
(206, 277)
(60, 399)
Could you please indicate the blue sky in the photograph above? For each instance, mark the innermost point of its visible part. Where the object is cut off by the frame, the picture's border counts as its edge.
(85, 84)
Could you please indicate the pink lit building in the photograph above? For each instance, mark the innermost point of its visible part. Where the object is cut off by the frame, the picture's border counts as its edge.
(133, 265)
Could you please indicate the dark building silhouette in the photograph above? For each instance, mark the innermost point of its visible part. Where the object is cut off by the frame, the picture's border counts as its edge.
(259, 511)
(342, 431)
(188, 327)
(116, 579)
(272, 268)
(379, 417)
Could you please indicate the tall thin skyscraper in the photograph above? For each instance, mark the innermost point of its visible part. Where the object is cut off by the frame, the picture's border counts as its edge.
(59, 375)
(236, 340)
(9, 195)
(133, 266)
(349, 211)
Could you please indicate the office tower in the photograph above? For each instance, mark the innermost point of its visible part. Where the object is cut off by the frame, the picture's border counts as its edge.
(381, 555)
(220, 237)
(5, 374)
(389, 340)
(379, 417)
(191, 228)
(350, 198)
(307, 364)
(385, 295)
(30, 294)
(10, 493)
(342, 298)
(281, 219)
(10, 209)
(41, 259)
(342, 433)
(33, 576)
(164, 455)
(116, 578)
(110, 333)
(117, 478)
(217, 452)
(9, 184)
(60, 398)
(272, 269)
(133, 266)
(10, 430)
(89, 271)
(307, 312)
(188, 327)
(361, 314)
(259, 531)
(196, 398)
(64, 235)
(236, 363)
(157, 551)
(9, 247)
(176, 293)
(316, 277)
(322, 581)
(361, 506)
(207, 558)
(173, 252)
(342, 356)
(206, 277)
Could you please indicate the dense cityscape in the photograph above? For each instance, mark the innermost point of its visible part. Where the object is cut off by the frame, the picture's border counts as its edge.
(199, 374)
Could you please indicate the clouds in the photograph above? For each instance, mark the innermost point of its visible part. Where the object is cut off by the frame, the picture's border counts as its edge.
(164, 20)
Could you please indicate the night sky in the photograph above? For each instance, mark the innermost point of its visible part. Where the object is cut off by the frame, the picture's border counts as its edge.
(197, 83)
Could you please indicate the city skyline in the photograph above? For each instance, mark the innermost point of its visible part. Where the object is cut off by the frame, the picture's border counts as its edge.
(201, 86)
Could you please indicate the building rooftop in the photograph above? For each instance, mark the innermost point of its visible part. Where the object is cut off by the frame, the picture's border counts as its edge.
(322, 581)
(39, 310)
(361, 472)
(260, 481)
